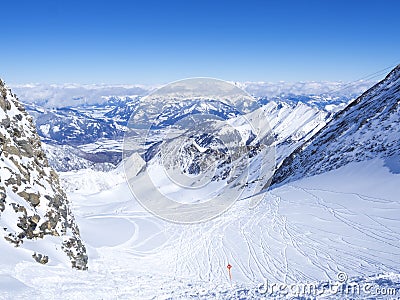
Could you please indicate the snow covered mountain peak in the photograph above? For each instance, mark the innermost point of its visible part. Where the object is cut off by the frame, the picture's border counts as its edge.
(367, 128)
(35, 214)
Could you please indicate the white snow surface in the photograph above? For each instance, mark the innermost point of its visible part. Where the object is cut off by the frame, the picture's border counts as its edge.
(309, 230)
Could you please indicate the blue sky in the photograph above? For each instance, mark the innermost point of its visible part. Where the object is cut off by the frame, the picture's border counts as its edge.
(160, 41)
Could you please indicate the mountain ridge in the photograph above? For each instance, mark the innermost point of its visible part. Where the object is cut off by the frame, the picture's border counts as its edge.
(359, 135)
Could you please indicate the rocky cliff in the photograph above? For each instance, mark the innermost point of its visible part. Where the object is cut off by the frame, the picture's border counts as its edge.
(35, 213)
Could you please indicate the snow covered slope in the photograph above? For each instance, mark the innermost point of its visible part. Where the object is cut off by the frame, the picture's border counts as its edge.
(342, 221)
(64, 158)
(367, 128)
(292, 123)
(35, 215)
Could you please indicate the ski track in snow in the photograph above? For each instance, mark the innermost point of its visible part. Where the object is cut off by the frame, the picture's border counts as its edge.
(297, 234)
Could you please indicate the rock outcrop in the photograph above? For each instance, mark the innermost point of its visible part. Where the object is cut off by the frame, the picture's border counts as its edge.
(33, 205)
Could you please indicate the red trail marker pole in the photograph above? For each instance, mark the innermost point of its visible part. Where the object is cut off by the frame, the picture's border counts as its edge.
(229, 271)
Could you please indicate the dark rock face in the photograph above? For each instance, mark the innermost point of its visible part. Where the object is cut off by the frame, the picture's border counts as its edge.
(32, 202)
(42, 259)
(368, 127)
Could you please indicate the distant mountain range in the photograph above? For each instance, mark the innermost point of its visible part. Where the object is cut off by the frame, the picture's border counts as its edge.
(93, 129)
(83, 122)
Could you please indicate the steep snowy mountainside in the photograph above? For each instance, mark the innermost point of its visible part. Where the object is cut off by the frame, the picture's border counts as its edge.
(91, 181)
(292, 123)
(67, 158)
(35, 214)
(367, 128)
(328, 103)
